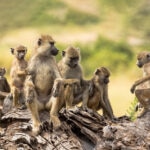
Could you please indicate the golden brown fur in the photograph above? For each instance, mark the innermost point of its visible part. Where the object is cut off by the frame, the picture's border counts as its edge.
(143, 94)
(42, 72)
(70, 68)
(18, 74)
(100, 99)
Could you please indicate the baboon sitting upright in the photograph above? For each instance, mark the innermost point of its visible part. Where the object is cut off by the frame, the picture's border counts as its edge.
(4, 86)
(100, 98)
(143, 95)
(42, 71)
(70, 68)
(18, 75)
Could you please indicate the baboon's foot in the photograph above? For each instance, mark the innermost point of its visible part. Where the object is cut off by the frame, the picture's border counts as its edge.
(36, 129)
(22, 107)
(55, 122)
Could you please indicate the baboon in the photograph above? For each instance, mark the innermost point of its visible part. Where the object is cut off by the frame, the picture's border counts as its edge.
(100, 98)
(42, 71)
(18, 75)
(70, 68)
(143, 94)
(4, 86)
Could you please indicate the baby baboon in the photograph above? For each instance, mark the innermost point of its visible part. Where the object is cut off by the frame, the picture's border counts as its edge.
(70, 68)
(18, 75)
(42, 71)
(100, 99)
(4, 86)
(143, 94)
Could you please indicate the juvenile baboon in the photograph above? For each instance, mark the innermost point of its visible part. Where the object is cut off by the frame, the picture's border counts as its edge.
(100, 98)
(143, 94)
(70, 68)
(42, 71)
(18, 75)
(4, 86)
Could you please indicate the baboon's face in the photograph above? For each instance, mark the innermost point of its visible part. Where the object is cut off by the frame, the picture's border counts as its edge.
(2, 71)
(71, 57)
(46, 46)
(19, 52)
(143, 58)
(102, 75)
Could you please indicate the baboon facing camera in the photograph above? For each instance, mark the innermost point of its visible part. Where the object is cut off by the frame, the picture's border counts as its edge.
(42, 71)
(18, 75)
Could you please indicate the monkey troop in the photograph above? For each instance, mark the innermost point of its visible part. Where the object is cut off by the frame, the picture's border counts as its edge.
(143, 93)
(41, 83)
(18, 75)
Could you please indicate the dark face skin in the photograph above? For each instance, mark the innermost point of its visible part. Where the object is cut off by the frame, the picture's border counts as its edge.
(106, 79)
(54, 50)
(2, 71)
(73, 62)
(143, 59)
(21, 54)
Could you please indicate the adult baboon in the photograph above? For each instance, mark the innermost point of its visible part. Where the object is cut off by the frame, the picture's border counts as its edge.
(70, 68)
(18, 75)
(143, 95)
(42, 71)
(4, 86)
(100, 98)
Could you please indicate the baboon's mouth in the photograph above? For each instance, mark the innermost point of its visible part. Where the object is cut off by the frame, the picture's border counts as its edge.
(140, 65)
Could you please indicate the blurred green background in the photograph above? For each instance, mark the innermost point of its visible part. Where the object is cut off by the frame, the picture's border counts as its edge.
(109, 33)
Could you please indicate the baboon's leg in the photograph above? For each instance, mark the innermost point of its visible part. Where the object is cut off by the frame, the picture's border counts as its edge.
(143, 96)
(15, 94)
(34, 109)
(103, 105)
(85, 97)
(56, 105)
(68, 96)
(107, 103)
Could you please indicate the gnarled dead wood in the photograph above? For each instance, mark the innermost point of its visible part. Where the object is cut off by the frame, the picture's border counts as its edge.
(80, 130)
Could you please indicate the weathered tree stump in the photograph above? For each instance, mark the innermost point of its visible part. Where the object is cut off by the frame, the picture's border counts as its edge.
(80, 130)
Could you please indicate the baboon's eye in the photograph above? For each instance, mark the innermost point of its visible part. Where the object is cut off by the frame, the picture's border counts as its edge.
(52, 43)
(107, 76)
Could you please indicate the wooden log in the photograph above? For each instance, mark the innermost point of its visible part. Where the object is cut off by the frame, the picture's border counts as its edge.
(80, 130)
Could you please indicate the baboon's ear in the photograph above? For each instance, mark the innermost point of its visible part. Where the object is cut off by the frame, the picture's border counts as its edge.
(12, 50)
(97, 71)
(63, 53)
(39, 41)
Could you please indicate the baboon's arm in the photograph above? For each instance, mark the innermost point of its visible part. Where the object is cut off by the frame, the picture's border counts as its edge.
(138, 82)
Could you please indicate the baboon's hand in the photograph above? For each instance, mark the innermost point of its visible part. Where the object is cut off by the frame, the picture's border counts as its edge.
(132, 89)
